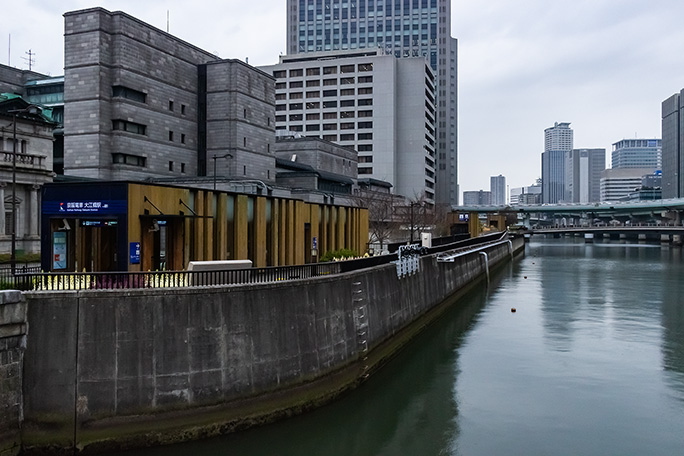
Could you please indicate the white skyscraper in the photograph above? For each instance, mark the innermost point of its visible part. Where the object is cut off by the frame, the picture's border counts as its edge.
(398, 27)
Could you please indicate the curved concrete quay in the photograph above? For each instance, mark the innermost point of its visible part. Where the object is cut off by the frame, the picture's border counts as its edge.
(114, 369)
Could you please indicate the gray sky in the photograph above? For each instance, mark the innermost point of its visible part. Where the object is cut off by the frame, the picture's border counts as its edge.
(603, 65)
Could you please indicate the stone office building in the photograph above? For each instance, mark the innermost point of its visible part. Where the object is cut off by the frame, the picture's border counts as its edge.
(142, 103)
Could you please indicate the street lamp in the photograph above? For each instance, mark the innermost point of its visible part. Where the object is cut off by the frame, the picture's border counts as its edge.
(33, 110)
(215, 157)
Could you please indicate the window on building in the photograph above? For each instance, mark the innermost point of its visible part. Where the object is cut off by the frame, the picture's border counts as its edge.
(366, 102)
(182, 138)
(313, 94)
(296, 73)
(346, 103)
(295, 106)
(365, 148)
(182, 167)
(279, 74)
(365, 79)
(365, 159)
(347, 137)
(365, 170)
(347, 69)
(170, 136)
(313, 71)
(128, 93)
(365, 90)
(365, 125)
(313, 116)
(183, 109)
(313, 127)
(330, 104)
(130, 127)
(347, 115)
(365, 136)
(330, 126)
(347, 92)
(170, 166)
(365, 67)
(296, 84)
(313, 104)
(368, 113)
(128, 159)
(330, 93)
(170, 105)
(329, 115)
(330, 70)
(296, 95)
(313, 83)
(347, 126)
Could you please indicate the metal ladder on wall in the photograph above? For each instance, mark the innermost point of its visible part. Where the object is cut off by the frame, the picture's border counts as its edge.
(360, 311)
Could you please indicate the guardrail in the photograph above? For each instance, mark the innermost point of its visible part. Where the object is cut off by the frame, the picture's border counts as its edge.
(52, 281)
(168, 279)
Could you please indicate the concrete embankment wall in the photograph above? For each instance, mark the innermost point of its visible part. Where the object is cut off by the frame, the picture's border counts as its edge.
(109, 369)
(12, 343)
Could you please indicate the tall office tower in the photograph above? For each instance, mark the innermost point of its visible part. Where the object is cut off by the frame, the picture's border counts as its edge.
(497, 186)
(673, 146)
(638, 153)
(557, 143)
(368, 101)
(583, 175)
(403, 28)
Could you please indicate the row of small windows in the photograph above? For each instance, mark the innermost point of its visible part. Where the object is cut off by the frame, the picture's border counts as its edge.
(325, 115)
(325, 104)
(317, 94)
(326, 82)
(343, 69)
(140, 129)
(136, 160)
(346, 10)
(128, 93)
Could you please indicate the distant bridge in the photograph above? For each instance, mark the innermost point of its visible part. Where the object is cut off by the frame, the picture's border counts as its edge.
(670, 209)
(664, 233)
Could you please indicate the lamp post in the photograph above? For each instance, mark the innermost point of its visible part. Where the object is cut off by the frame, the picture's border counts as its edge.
(215, 157)
(30, 109)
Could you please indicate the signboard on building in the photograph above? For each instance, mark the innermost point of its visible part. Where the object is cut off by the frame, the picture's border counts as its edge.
(59, 250)
(135, 253)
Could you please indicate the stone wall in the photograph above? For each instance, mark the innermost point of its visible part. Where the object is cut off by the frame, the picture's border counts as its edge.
(13, 328)
(112, 369)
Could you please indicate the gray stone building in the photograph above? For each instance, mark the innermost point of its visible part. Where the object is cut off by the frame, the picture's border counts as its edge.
(25, 165)
(141, 103)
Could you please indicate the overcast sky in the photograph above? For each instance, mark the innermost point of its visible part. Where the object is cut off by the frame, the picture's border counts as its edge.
(603, 65)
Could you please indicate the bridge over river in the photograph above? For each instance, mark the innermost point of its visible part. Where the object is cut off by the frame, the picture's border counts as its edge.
(663, 233)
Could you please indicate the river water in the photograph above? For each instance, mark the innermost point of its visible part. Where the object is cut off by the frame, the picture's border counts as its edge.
(591, 363)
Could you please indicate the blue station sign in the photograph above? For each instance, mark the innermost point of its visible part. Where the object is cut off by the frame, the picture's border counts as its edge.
(89, 207)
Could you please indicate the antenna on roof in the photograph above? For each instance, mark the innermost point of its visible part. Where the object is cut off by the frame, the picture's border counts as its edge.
(30, 59)
(9, 50)
(167, 21)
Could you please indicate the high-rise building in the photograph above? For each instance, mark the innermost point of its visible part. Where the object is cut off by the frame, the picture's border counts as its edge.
(497, 186)
(618, 183)
(477, 198)
(558, 141)
(583, 175)
(399, 27)
(368, 101)
(673, 146)
(637, 153)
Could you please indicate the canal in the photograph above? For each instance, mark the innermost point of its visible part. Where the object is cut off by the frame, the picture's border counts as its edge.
(591, 362)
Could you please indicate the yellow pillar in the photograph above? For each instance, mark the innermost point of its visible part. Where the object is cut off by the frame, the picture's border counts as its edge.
(274, 248)
(221, 227)
(341, 217)
(289, 232)
(282, 233)
(323, 241)
(198, 247)
(208, 212)
(260, 246)
(299, 232)
(363, 228)
(240, 231)
(315, 220)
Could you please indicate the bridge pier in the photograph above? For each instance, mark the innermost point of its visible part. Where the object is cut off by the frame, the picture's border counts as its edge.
(665, 239)
(588, 238)
(677, 240)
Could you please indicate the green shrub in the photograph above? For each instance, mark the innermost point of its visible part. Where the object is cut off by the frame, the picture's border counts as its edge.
(339, 255)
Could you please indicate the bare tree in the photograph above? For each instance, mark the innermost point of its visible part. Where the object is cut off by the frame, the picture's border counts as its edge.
(383, 223)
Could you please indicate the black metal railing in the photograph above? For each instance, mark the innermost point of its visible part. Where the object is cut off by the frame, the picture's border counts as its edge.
(168, 279)
(55, 281)
(8, 279)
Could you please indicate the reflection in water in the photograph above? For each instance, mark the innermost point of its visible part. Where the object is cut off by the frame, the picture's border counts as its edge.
(673, 319)
(592, 363)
